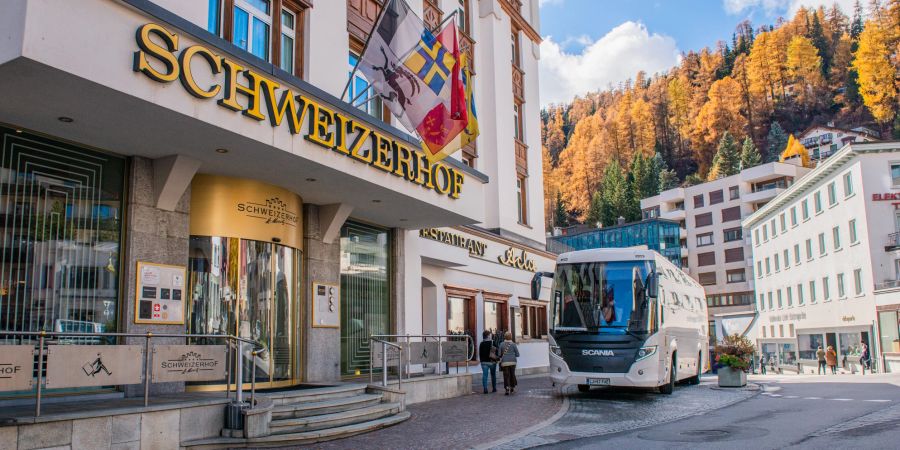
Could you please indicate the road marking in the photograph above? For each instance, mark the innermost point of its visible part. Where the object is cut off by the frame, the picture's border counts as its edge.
(775, 395)
(812, 398)
(791, 396)
(878, 401)
(841, 399)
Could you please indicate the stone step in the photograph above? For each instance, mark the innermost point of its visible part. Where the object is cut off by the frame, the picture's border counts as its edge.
(332, 420)
(328, 406)
(315, 394)
(301, 438)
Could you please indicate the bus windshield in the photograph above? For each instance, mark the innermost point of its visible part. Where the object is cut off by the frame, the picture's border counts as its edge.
(602, 297)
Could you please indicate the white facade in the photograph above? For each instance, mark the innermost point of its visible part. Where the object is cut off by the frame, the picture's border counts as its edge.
(715, 250)
(822, 254)
(824, 141)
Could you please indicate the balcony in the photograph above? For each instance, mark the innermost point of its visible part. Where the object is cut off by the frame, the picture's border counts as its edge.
(893, 242)
(675, 214)
(682, 233)
(518, 81)
(763, 195)
(467, 47)
(521, 157)
(672, 195)
(888, 284)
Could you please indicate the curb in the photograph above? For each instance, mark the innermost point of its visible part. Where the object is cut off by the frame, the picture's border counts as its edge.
(753, 387)
(563, 391)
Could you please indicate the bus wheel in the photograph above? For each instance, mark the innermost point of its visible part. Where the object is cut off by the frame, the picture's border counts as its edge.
(669, 387)
(696, 378)
(583, 388)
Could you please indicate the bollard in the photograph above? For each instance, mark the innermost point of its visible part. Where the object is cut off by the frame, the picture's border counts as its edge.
(37, 403)
(147, 369)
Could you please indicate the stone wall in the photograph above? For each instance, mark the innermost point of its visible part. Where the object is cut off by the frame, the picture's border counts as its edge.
(321, 264)
(151, 235)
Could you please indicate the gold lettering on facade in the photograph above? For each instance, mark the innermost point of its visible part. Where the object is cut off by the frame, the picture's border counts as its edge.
(330, 129)
(474, 247)
(520, 261)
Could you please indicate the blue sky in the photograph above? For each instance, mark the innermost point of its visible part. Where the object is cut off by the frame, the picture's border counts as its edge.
(593, 44)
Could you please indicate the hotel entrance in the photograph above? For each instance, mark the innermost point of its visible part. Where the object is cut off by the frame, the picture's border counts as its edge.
(244, 272)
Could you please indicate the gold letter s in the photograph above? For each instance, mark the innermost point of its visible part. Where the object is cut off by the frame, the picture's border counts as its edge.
(164, 54)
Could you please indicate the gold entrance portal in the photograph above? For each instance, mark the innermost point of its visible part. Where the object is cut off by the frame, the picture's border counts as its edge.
(245, 274)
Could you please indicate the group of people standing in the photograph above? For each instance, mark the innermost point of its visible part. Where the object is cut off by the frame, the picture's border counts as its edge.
(506, 355)
(827, 358)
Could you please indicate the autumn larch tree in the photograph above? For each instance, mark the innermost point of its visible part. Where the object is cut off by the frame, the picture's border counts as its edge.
(877, 76)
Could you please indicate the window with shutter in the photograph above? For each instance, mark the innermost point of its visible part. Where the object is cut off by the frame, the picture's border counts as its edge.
(707, 278)
(734, 254)
(716, 197)
(703, 220)
(730, 214)
(706, 259)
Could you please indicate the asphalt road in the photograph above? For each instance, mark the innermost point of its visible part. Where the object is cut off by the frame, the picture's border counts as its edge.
(798, 412)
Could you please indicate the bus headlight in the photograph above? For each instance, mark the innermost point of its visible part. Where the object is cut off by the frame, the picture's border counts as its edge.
(645, 352)
(556, 350)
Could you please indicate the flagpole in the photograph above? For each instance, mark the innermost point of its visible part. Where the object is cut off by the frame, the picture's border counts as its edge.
(365, 46)
(450, 16)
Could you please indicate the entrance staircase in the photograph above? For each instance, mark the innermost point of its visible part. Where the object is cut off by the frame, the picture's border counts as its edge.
(307, 416)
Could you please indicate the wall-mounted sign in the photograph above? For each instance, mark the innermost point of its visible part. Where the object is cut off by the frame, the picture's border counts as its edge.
(519, 261)
(159, 294)
(16, 367)
(326, 306)
(474, 246)
(271, 210)
(267, 99)
(888, 197)
(188, 363)
(848, 318)
(454, 351)
(93, 365)
(423, 352)
(786, 317)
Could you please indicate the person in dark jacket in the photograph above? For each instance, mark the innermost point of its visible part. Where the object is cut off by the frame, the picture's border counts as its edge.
(864, 358)
(509, 354)
(488, 364)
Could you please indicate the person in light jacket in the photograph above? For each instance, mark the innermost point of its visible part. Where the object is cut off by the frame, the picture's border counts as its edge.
(831, 359)
(509, 354)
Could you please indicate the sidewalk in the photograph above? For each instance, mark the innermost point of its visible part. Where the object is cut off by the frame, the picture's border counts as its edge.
(464, 422)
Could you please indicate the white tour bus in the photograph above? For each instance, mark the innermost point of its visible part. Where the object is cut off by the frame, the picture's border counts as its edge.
(624, 317)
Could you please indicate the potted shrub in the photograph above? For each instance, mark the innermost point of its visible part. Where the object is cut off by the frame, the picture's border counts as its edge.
(733, 355)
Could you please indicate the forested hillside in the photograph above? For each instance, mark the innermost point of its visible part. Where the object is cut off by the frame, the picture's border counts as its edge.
(741, 100)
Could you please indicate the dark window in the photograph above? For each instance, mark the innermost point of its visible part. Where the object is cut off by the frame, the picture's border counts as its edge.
(733, 213)
(698, 201)
(734, 193)
(734, 254)
(707, 278)
(706, 259)
(704, 239)
(716, 197)
(733, 234)
(702, 220)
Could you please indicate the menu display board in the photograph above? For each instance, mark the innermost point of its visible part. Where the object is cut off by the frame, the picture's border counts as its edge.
(159, 294)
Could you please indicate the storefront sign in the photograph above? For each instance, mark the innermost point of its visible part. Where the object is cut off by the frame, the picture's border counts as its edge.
(787, 317)
(848, 318)
(888, 197)
(16, 367)
(188, 363)
(93, 365)
(159, 294)
(475, 247)
(266, 99)
(454, 351)
(520, 261)
(326, 306)
(273, 210)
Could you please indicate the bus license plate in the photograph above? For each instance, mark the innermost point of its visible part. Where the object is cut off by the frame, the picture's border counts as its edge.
(598, 381)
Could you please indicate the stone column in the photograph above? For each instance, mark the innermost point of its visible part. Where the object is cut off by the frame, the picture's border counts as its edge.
(321, 264)
(157, 236)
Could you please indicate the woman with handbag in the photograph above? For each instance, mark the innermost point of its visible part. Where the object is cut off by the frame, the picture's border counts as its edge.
(509, 353)
(487, 354)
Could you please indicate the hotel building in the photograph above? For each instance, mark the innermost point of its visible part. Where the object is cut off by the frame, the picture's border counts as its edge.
(826, 259)
(211, 138)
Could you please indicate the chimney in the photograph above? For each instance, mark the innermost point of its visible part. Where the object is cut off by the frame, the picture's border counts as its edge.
(621, 220)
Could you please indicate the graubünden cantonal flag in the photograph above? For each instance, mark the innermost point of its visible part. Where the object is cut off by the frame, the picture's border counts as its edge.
(448, 119)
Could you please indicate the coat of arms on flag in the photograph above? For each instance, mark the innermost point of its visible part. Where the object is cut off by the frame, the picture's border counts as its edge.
(419, 75)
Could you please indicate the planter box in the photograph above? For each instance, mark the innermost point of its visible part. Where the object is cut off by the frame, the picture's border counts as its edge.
(729, 377)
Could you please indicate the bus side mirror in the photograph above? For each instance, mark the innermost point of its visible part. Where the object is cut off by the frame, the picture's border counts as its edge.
(652, 285)
(536, 281)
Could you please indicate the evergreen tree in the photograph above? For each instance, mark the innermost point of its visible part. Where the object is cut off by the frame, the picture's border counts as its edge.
(651, 182)
(632, 206)
(560, 216)
(727, 161)
(596, 210)
(817, 36)
(749, 155)
(856, 25)
(777, 140)
(613, 194)
(638, 172)
(693, 180)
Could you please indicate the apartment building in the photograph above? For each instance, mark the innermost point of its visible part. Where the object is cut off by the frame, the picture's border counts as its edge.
(828, 262)
(715, 249)
(823, 141)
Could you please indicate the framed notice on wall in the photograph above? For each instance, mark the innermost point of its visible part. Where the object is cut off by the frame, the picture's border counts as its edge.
(159, 294)
(326, 306)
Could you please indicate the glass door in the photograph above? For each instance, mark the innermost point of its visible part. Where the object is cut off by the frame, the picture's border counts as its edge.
(249, 289)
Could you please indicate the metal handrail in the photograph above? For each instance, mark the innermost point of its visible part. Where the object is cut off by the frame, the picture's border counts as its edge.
(239, 380)
(424, 337)
(384, 346)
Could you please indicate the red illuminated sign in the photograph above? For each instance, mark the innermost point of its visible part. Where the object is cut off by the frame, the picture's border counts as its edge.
(888, 197)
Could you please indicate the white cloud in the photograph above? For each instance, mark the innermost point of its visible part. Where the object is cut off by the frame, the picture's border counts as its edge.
(739, 6)
(613, 58)
(783, 7)
(846, 6)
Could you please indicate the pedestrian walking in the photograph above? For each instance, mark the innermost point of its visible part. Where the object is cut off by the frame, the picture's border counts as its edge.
(762, 364)
(831, 359)
(509, 354)
(863, 357)
(487, 354)
(820, 357)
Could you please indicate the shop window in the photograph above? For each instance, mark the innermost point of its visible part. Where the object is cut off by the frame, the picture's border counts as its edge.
(808, 344)
(521, 200)
(734, 193)
(271, 30)
(533, 321)
(850, 345)
(62, 228)
(733, 234)
(458, 315)
(889, 325)
(704, 239)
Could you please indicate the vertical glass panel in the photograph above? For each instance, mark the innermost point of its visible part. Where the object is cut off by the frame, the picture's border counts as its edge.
(287, 20)
(261, 5)
(61, 217)
(365, 292)
(240, 31)
(285, 281)
(287, 54)
(890, 331)
(212, 292)
(213, 19)
(456, 315)
(260, 45)
(491, 316)
(254, 307)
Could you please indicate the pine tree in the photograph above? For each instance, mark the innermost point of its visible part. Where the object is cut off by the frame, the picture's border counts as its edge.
(817, 37)
(560, 216)
(650, 187)
(777, 140)
(596, 210)
(631, 209)
(856, 26)
(729, 158)
(749, 154)
(613, 195)
(668, 179)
